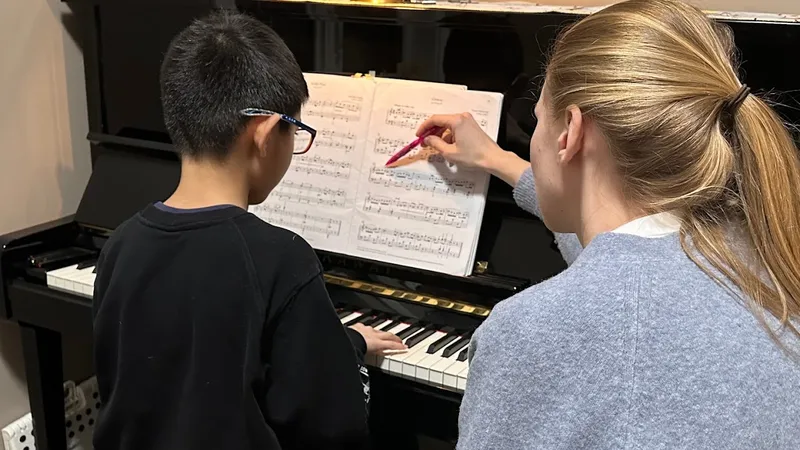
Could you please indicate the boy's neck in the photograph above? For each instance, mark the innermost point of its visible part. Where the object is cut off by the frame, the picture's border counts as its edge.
(210, 183)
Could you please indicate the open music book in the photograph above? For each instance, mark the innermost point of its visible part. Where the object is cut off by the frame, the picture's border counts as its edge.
(421, 212)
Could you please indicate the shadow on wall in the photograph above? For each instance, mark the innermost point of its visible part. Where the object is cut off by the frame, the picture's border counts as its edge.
(45, 156)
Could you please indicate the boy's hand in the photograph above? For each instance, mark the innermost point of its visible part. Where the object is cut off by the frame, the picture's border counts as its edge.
(379, 341)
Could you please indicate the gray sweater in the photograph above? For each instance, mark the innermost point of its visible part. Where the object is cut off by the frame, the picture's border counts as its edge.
(631, 347)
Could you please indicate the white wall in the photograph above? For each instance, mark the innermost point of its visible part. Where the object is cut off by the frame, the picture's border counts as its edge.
(44, 156)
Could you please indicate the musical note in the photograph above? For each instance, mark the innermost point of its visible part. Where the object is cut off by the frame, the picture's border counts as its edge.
(420, 181)
(443, 246)
(417, 211)
(408, 117)
(305, 222)
(317, 165)
(307, 193)
(388, 146)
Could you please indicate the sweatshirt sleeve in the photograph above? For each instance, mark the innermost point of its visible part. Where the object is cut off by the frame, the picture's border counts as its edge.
(315, 395)
(525, 197)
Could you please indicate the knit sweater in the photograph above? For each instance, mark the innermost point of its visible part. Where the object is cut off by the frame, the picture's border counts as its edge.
(632, 347)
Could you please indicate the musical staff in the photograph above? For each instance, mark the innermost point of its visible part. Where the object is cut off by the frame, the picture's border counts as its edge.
(328, 139)
(408, 117)
(417, 211)
(301, 222)
(317, 165)
(388, 146)
(419, 181)
(309, 194)
(443, 245)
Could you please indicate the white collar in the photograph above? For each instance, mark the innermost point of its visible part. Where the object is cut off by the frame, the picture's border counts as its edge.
(652, 226)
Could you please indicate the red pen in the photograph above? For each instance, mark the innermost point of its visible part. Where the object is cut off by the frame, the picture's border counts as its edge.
(412, 145)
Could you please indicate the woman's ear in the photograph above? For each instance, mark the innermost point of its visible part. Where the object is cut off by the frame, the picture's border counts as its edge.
(263, 132)
(570, 142)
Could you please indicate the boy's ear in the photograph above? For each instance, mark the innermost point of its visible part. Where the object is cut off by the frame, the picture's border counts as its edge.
(263, 132)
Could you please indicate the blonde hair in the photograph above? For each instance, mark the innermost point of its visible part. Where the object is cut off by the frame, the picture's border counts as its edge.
(658, 79)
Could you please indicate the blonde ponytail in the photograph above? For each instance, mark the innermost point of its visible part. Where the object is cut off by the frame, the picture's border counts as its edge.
(767, 201)
(656, 77)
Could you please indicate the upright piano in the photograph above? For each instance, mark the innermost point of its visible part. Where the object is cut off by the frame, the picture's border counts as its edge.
(46, 272)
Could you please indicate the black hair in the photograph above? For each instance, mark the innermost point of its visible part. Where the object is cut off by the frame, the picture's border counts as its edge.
(216, 67)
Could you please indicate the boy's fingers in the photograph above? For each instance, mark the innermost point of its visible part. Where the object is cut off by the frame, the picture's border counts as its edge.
(390, 345)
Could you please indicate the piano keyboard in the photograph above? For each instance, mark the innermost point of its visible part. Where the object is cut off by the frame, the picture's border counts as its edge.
(436, 356)
(76, 279)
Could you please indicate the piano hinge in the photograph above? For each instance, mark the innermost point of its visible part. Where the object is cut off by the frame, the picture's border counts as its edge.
(399, 294)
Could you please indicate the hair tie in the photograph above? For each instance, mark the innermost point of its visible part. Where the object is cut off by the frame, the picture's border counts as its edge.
(732, 106)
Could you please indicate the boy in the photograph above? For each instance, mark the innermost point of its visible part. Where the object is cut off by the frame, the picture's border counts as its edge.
(213, 329)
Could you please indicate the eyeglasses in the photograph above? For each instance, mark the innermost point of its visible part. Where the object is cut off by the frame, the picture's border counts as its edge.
(303, 137)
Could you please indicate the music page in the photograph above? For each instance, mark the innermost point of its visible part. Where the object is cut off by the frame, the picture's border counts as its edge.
(421, 211)
(316, 197)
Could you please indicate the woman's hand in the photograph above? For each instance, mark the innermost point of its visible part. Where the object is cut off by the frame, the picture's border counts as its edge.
(463, 142)
(378, 341)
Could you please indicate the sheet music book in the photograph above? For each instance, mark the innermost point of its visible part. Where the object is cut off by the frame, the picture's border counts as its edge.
(422, 213)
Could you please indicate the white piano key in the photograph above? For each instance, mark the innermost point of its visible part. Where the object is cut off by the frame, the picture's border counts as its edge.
(461, 383)
(350, 317)
(380, 361)
(423, 370)
(450, 378)
(436, 373)
(410, 364)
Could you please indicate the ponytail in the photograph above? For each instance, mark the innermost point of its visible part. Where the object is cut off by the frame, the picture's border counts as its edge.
(656, 77)
(765, 200)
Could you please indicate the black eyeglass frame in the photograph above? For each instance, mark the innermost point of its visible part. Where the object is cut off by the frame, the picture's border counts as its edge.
(257, 112)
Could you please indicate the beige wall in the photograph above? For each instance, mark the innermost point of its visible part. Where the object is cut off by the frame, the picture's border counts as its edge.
(44, 156)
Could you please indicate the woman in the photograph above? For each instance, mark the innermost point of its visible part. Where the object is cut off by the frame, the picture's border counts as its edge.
(676, 326)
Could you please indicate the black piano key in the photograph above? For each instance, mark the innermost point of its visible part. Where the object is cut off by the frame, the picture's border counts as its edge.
(409, 331)
(377, 320)
(394, 322)
(363, 312)
(87, 264)
(344, 312)
(463, 355)
(457, 345)
(444, 340)
(421, 336)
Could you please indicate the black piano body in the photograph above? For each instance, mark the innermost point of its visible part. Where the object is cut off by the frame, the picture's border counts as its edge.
(134, 164)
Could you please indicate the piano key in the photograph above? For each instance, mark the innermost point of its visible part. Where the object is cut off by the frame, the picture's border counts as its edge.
(423, 372)
(461, 383)
(88, 264)
(399, 365)
(343, 312)
(441, 343)
(72, 279)
(408, 332)
(351, 316)
(450, 378)
(382, 362)
(464, 354)
(421, 336)
(437, 370)
(457, 345)
(411, 363)
(355, 320)
(375, 320)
